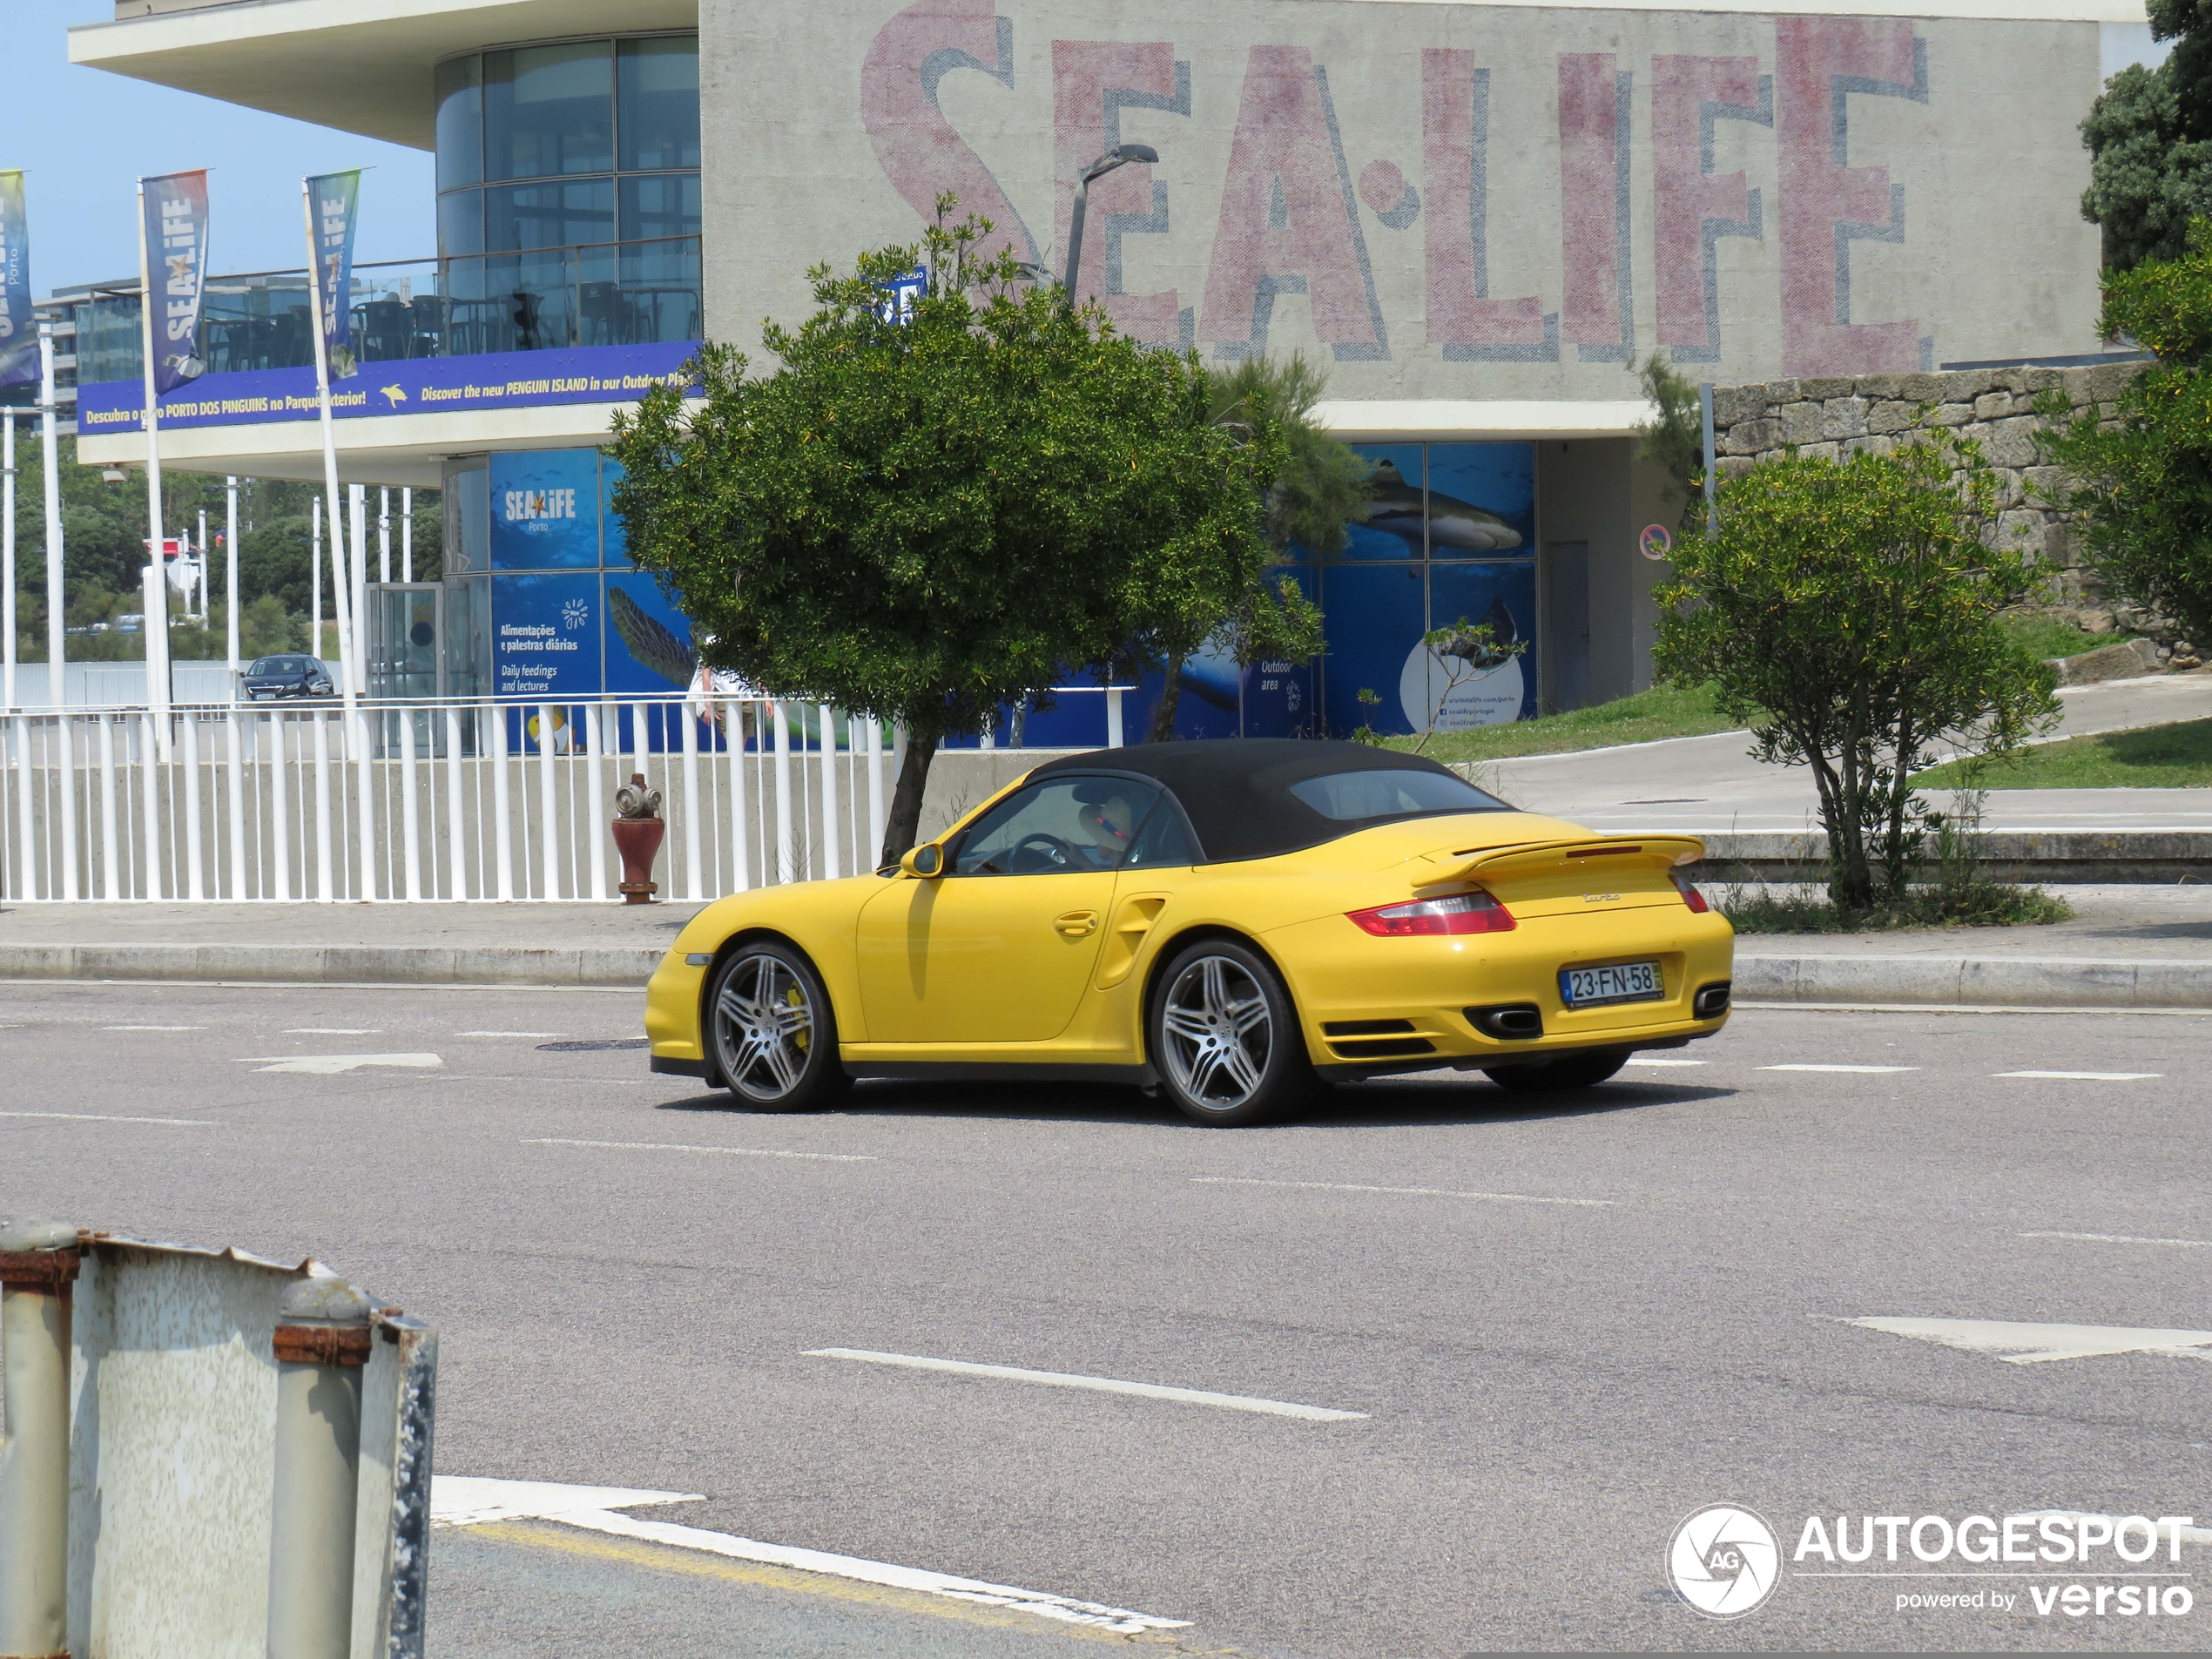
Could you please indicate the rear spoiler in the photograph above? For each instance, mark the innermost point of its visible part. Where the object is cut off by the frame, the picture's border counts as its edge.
(1529, 857)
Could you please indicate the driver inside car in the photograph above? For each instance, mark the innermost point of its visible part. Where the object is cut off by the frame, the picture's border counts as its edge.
(1108, 824)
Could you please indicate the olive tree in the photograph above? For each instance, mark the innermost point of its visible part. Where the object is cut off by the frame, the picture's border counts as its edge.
(1847, 610)
(926, 511)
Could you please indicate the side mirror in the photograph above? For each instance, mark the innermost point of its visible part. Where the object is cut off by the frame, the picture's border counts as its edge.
(925, 861)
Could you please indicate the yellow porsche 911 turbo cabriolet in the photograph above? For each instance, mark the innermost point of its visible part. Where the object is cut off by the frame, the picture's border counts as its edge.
(1236, 922)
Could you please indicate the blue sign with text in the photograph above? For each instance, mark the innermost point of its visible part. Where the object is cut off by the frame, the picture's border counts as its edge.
(545, 509)
(545, 635)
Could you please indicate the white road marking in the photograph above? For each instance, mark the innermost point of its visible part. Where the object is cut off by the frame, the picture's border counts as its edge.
(2087, 1076)
(2023, 1344)
(509, 1034)
(460, 1501)
(1097, 1385)
(1666, 1062)
(153, 1028)
(1862, 1070)
(2125, 1238)
(334, 1031)
(103, 1117)
(2187, 1535)
(728, 1151)
(1406, 1192)
(329, 1065)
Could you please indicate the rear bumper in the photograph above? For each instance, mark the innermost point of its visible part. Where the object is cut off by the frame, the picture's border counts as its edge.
(1371, 1005)
(675, 1067)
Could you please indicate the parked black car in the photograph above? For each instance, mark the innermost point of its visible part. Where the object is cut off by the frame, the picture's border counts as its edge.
(271, 678)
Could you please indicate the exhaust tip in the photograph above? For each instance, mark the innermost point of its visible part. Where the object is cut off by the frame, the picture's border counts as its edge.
(1508, 1022)
(1712, 1000)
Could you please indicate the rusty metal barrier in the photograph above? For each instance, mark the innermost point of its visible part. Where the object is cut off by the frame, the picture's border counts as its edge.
(207, 1453)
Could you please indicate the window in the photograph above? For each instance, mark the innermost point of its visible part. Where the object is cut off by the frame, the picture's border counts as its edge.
(660, 90)
(461, 122)
(549, 109)
(1350, 796)
(1069, 825)
(1162, 844)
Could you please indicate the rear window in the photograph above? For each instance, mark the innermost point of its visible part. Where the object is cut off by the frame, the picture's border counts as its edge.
(1367, 796)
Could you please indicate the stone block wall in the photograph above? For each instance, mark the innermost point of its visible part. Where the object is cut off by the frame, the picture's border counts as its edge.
(1840, 416)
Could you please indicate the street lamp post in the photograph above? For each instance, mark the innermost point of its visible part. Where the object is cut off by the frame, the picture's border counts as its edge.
(1120, 155)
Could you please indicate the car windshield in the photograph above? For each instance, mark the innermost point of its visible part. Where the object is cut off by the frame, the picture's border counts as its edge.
(275, 665)
(1357, 796)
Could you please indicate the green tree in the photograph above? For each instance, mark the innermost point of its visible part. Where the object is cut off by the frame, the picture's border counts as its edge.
(924, 518)
(2142, 483)
(1674, 438)
(1847, 612)
(2149, 137)
(1320, 484)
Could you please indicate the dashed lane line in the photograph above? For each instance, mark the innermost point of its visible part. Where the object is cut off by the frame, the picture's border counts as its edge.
(727, 1152)
(103, 1117)
(1406, 1192)
(1640, 1062)
(468, 1501)
(1868, 1071)
(2087, 1076)
(332, 1065)
(2124, 1238)
(1096, 1385)
(153, 1028)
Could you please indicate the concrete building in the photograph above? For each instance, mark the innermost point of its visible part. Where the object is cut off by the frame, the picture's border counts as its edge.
(1479, 217)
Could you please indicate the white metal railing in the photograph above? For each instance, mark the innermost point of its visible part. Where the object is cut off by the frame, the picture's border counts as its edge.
(406, 801)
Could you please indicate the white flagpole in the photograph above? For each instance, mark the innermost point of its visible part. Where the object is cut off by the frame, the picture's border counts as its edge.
(8, 539)
(57, 617)
(383, 534)
(357, 536)
(337, 584)
(155, 581)
(407, 536)
(200, 565)
(314, 582)
(230, 573)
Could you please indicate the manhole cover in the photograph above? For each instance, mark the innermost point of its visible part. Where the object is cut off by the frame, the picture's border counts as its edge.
(592, 1045)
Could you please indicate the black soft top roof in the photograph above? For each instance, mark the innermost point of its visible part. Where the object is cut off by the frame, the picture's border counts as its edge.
(1237, 791)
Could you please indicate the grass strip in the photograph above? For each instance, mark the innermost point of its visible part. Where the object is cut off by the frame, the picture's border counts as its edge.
(2156, 757)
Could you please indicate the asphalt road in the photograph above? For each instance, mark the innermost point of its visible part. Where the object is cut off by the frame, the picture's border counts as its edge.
(1568, 1326)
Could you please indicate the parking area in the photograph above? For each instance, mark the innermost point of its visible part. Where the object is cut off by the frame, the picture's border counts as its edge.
(986, 1369)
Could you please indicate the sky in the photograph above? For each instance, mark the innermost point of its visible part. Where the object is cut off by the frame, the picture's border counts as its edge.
(84, 138)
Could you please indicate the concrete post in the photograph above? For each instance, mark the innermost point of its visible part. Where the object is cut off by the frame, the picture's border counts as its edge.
(38, 1260)
(322, 1338)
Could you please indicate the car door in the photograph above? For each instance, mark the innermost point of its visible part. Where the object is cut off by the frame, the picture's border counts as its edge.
(1001, 947)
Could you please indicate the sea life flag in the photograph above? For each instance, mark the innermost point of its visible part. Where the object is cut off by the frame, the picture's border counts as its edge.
(18, 334)
(176, 230)
(333, 202)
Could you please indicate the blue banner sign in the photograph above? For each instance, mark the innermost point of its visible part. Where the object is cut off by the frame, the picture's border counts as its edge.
(545, 636)
(545, 511)
(411, 386)
(19, 334)
(334, 200)
(176, 231)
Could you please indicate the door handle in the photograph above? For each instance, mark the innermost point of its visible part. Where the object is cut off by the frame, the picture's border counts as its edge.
(1077, 923)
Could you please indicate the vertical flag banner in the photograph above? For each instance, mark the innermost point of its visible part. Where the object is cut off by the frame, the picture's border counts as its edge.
(336, 197)
(18, 336)
(176, 210)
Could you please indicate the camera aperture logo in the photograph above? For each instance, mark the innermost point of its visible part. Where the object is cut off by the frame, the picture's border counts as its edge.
(1724, 1560)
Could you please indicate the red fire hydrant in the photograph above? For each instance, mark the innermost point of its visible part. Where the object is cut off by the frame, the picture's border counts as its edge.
(637, 832)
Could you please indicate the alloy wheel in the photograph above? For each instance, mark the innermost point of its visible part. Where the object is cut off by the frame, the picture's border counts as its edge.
(765, 1029)
(1217, 1032)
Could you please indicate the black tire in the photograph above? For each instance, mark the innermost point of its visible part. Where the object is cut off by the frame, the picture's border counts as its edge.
(1550, 1076)
(772, 1031)
(1224, 1035)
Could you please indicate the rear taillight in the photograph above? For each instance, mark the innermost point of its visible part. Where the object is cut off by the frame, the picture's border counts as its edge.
(1687, 888)
(1463, 913)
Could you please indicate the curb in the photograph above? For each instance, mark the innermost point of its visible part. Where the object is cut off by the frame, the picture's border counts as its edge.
(618, 965)
(1976, 981)
(2064, 856)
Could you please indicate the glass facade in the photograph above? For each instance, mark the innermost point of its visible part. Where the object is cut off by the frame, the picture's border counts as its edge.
(591, 147)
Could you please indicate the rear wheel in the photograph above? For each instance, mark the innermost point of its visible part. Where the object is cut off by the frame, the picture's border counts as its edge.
(1549, 1076)
(1224, 1037)
(774, 1035)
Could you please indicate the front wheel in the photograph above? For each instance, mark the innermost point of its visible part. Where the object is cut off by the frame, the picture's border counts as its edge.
(1223, 1036)
(1550, 1076)
(774, 1035)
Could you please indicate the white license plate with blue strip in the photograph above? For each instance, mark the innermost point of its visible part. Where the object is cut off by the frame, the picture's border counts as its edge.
(1589, 987)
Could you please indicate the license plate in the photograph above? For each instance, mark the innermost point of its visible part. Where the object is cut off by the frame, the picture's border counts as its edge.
(1586, 987)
